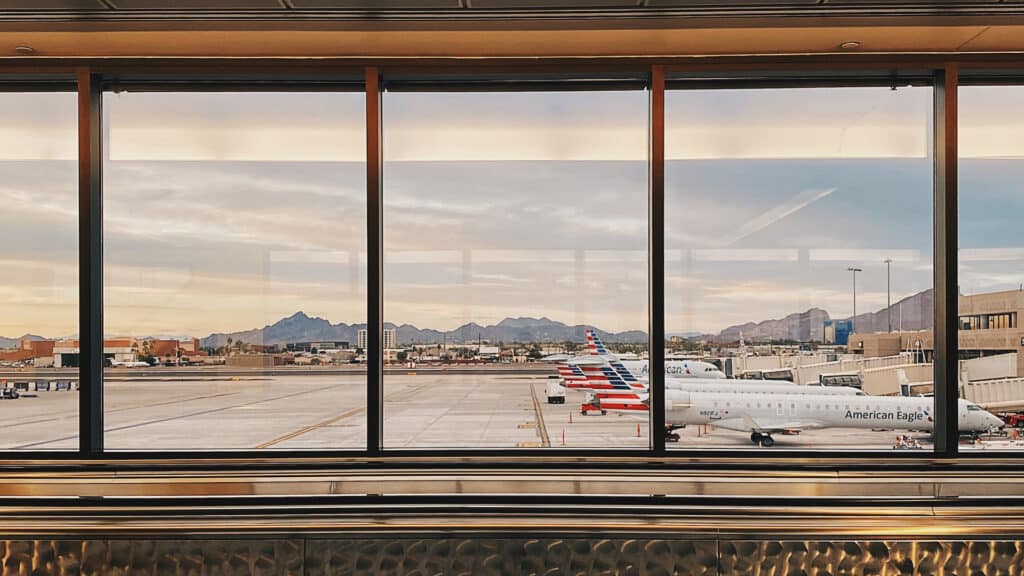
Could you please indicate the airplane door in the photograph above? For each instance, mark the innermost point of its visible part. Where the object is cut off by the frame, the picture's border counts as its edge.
(780, 409)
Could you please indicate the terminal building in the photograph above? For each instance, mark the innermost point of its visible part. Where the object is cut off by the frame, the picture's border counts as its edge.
(315, 347)
(988, 326)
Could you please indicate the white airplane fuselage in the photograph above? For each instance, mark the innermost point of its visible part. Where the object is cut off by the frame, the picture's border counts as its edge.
(677, 369)
(773, 412)
(745, 387)
(633, 401)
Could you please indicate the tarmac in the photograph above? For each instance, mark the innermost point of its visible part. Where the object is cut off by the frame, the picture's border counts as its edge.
(428, 410)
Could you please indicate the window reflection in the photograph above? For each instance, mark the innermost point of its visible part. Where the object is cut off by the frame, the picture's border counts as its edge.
(513, 223)
(235, 283)
(798, 258)
(991, 364)
(39, 263)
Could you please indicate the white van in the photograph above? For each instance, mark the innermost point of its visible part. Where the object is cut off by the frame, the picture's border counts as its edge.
(555, 392)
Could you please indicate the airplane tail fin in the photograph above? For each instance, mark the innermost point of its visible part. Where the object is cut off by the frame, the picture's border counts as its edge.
(604, 377)
(594, 344)
(571, 373)
(626, 374)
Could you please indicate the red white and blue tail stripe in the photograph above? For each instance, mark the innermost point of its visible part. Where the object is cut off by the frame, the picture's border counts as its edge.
(594, 344)
(612, 390)
(572, 376)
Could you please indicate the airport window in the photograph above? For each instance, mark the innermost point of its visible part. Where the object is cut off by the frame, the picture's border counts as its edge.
(799, 220)
(798, 243)
(989, 321)
(39, 281)
(515, 255)
(991, 258)
(235, 276)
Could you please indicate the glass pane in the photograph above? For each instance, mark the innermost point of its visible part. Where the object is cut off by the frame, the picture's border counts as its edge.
(799, 261)
(234, 233)
(512, 223)
(991, 258)
(39, 284)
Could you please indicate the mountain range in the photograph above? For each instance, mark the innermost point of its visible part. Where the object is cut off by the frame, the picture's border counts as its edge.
(16, 342)
(302, 328)
(911, 313)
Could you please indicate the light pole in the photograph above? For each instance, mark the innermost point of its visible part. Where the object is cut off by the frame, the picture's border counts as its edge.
(853, 319)
(888, 291)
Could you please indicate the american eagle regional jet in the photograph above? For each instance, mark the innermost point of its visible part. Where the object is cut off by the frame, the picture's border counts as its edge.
(764, 414)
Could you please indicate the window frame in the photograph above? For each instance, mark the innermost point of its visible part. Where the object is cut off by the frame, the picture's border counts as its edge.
(56, 81)
(101, 84)
(94, 75)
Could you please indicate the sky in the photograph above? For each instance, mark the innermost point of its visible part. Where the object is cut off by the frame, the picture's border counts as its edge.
(226, 212)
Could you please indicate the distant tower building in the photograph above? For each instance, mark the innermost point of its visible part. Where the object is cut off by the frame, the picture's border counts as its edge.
(389, 339)
(837, 332)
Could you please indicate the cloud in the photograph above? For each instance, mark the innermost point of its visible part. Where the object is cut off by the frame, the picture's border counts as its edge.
(500, 205)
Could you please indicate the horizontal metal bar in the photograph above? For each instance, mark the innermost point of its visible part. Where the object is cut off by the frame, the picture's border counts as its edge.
(511, 460)
(807, 486)
(199, 84)
(333, 67)
(794, 80)
(539, 455)
(875, 10)
(496, 515)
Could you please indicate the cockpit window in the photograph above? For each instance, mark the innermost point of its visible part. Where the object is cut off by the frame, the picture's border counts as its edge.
(973, 407)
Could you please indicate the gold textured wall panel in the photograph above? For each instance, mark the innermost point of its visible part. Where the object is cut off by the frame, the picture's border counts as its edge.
(492, 556)
(152, 557)
(428, 556)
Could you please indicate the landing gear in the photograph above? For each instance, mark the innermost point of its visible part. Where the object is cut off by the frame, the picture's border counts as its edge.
(765, 440)
(670, 433)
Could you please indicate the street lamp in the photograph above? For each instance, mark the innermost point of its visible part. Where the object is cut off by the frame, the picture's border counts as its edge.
(853, 319)
(888, 291)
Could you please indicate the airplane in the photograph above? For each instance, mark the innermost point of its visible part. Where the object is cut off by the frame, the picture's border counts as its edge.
(677, 368)
(608, 391)
(128, 364)
(573, 377)
(765, 414)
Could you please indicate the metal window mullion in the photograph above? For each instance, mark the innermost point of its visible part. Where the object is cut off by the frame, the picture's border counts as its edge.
(946, 293)
(90, 264)
(374, 266)
(656, 260)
